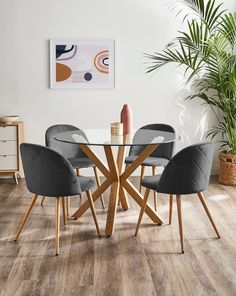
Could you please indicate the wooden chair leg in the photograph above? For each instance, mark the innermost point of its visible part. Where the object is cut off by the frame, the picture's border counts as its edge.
(154, 191)
(98, 184)
(170, 208)
(78, 173)
(33, 200)
(90, 200)
(202, 199)
(42, 201)
(179, 210)
(67, 200)
(141, 177)
(57, 224)
(142, 210)
(64, 210)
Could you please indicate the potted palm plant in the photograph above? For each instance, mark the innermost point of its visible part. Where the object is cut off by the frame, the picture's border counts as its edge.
(207, 53)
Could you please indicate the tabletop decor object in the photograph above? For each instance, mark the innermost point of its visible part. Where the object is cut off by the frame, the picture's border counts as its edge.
(126, 117)
(116, 129)
(116, 139)
(82, 63)
(8, 118)
(206, 52)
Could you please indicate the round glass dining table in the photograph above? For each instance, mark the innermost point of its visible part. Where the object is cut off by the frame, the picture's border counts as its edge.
(115, 176)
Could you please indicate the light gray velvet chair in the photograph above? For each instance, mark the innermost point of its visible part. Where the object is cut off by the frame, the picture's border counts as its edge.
(188, 172)
(49, 174)
(159, 158)
(72, 152)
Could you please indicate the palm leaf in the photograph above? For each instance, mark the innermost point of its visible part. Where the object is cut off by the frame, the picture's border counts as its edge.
(209, 12)
(206, 50)
(227, 27)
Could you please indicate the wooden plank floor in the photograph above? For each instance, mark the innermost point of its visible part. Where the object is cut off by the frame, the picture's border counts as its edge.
(149, 264)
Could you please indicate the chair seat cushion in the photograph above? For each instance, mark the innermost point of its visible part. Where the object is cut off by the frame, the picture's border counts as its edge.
(81, 162)
(151, 182)
(150, 161)
(86, 183)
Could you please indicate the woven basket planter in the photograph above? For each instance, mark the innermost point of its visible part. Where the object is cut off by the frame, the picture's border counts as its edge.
(227, 175)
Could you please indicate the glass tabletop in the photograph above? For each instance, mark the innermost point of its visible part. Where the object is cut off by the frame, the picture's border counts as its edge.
(103, 137)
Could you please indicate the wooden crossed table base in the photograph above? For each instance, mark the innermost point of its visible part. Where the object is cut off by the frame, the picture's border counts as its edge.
(119, 183)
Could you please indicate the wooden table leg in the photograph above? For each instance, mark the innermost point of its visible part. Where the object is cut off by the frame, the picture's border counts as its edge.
(139, 160)
(114, 193)
(96, 194)
(123, 199)
(95, 159)
(102, 167)
(97, 178)
(118, 182)
(112, 207)
(120, 162)
(134, 193)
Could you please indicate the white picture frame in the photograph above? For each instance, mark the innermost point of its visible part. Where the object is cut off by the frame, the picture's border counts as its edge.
(82, 63)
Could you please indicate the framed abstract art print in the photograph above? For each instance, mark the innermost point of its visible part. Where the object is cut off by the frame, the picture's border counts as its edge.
(81, 63)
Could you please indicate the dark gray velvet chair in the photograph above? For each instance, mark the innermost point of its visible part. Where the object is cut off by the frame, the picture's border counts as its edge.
(48, 173)
(159, 158)
(188, 172)
(72, 152)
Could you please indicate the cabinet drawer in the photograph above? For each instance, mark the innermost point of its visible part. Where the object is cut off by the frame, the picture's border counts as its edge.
(8, 162)
(8, 147)
(8, 133)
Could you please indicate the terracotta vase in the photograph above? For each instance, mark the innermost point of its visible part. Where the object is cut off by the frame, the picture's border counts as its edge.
(126, 117)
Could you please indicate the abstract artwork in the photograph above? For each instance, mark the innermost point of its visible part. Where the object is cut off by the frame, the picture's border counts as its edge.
(82, 63)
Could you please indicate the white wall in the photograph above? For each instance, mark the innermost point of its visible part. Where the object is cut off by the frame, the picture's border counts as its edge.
(136, 25)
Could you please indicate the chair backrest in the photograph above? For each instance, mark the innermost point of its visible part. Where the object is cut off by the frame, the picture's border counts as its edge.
(163, 150)
(47, 172)
(188, 171)
(66, 149)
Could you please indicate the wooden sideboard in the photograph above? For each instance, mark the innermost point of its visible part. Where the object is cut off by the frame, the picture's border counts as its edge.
(11, 136)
